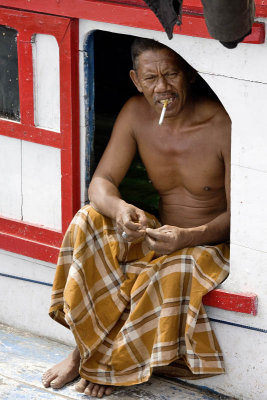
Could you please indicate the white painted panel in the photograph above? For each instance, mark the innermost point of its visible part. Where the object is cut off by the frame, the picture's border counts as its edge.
(41, 185)
(46, 82)
(248, 208)
(10, 177)
(206, 55)
(26, 267)
(245, 362)
(26, 304)
(245, 102)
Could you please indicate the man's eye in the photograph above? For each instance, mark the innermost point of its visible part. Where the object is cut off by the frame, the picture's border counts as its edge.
(149, 78)
(172, 74)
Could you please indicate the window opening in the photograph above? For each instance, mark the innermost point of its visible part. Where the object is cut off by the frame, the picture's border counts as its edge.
(9, 84)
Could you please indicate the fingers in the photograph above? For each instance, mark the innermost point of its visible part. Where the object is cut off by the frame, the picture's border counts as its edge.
(163, 240)
(134, 218)
(158, 247)
(142, 218)
(133, 226)
(158, 234)
(128, 221)
(133, 235)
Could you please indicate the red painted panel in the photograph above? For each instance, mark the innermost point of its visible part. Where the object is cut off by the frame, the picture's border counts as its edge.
(25, 70)
(195, 6)
(240, 302)
(37, 233)
(69, 83)
(188, 5)
(31, 134)
(29, 248)
(123, 14)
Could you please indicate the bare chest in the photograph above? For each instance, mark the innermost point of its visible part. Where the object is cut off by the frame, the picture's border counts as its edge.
(188, 161)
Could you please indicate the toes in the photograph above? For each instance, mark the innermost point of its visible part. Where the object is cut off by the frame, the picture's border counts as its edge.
(109, 390)
(81, 385)
(57, 383)
(101, 391)
(89, 388)
(47, 377)
(95, 390)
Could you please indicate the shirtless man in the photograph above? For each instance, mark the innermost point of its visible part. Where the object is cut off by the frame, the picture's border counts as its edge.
(187, 158)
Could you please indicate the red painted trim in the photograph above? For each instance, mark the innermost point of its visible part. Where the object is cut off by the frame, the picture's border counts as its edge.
(30, 23)
(122, 14)
(37, 233)
(257, 35)
(25, 70)
(195, 6)
(240, 302)
(81, 8)
(31, 134)
(70, 156)
(28, 239)
(29, 248)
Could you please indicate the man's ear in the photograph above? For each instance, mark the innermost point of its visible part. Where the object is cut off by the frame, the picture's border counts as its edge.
(134, 78)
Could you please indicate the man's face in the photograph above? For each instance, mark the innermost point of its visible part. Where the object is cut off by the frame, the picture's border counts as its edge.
(160, 76)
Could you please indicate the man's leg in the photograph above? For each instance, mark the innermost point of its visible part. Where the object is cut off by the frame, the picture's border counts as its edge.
(64, 372)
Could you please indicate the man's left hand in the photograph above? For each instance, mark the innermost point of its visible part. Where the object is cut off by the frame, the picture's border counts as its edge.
(166, 239)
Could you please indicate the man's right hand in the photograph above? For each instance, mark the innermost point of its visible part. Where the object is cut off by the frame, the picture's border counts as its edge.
(133, 221)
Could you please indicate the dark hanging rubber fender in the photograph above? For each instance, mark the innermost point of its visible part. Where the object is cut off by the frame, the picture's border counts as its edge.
(228, 21)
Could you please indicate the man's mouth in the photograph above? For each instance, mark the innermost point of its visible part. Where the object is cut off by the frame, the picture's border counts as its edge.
(168, 99)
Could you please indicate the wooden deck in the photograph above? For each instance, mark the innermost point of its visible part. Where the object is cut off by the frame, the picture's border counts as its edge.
(24, 357)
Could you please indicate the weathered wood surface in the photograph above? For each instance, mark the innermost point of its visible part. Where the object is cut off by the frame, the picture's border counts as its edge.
(24, 358)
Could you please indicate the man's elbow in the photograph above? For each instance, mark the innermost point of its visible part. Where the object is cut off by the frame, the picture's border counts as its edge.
(92, 191)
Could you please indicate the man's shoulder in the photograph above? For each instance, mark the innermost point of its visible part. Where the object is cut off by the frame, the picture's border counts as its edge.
(135, 111)
(213, 111)
(134, 103)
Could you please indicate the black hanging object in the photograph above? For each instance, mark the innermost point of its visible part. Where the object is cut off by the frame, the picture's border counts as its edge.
(169, 13)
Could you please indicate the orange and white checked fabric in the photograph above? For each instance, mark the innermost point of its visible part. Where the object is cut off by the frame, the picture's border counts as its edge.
(130, 311)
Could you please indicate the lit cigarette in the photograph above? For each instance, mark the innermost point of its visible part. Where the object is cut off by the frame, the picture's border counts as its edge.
(165, 103)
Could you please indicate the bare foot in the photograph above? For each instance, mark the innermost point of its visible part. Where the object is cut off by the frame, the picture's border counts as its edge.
(64, 372)
(93, 389)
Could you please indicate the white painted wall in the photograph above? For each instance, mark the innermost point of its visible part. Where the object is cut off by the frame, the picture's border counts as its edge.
(25, 305)
(10, 177)
(46, 81)
(41, 185)
(30, 182)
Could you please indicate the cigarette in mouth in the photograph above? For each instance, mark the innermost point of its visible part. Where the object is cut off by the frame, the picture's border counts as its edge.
(165, 103)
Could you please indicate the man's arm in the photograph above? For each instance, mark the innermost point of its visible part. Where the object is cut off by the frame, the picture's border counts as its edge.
(103, 190)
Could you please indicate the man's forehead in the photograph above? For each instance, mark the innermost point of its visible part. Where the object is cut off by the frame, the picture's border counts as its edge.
(165, 57)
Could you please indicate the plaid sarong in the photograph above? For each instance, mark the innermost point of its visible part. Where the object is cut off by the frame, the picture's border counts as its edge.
(131, 311)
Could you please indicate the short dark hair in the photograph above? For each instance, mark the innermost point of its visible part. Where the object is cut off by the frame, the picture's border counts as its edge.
(140, 45)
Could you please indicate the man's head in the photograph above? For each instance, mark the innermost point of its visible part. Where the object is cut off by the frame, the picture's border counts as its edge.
(160, 73)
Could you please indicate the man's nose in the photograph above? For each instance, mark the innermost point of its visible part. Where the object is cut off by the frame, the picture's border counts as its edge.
(162, 84)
